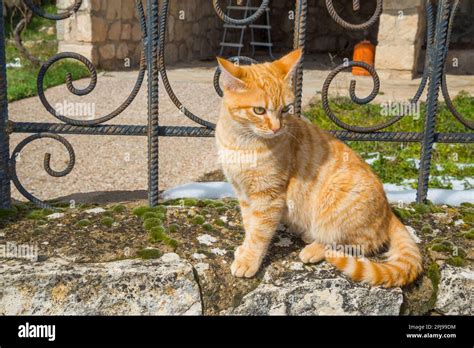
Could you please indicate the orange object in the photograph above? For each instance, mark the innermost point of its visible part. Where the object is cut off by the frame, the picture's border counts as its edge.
(363, 52)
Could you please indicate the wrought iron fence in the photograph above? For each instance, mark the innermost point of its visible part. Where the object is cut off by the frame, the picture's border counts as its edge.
(154, 26)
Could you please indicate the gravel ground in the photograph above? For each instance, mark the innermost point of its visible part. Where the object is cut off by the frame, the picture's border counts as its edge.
(118, 164)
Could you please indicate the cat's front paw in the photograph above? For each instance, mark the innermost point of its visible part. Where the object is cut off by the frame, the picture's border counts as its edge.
(245, 264)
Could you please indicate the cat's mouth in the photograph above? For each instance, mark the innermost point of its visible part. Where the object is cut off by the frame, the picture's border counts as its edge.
(269, 134)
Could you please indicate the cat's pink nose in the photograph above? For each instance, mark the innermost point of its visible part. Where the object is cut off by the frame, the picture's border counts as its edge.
(275, 129)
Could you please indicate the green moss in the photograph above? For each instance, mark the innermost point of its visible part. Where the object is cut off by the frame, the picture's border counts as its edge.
(158, 233)
(119, 209)
(148, 224)
(426, 228)
(441, 247)
(173, 243)
(208, 227)
(219, 222)
(456, 261)
(36, 214)
(149, 254)
(434, 274)
(8, 213)
(468, 215)
(83, 223)
(42, 222)
(160, 209)
(469, 234)
(190, 202)
(205, 211)
(222, 210)
(421, 208)
(149, 215)
(107, 221)
(173, 228)
(198, 220)
(139, 211)
(467, 204)
(401, 213)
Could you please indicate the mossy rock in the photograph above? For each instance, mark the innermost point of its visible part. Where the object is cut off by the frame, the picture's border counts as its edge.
(456, 261)
(426, 228)
(140, 211)
(434, 274)
(469, 234)
(173, 243)
(148, 224)
(173, 228)
(198, 220)
(8, 213)
(441, 247)
(149, 254)
(401, 213)
(107, 221)
(157, 233)
(219, 222)
(36, 214)
(119, 208)
(208, 227)
(422, 208)
(160, 209)
(190, 202)
(83, 223)
(149, 215)
(222, 210)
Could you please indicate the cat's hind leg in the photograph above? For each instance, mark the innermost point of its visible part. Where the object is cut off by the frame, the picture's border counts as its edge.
(313, 253)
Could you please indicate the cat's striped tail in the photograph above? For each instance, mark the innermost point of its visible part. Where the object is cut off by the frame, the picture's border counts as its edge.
(403, 264)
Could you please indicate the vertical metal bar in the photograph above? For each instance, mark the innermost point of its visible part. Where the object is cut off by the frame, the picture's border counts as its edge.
(152, 44)
(5, 190)
(438, 56)
(299, 42)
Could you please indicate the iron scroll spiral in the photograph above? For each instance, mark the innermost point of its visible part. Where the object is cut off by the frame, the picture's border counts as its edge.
(164, 75)
(354, 98)
(70, 11)
(356, 6)
(46, 163)
(93, 81)
(245, 21)
(444, 85)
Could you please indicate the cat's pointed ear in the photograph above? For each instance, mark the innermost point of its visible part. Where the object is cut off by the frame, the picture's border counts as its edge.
(230, 75)
(289, 63)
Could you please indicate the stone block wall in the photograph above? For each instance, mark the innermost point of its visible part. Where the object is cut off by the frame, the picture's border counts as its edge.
(108, 32)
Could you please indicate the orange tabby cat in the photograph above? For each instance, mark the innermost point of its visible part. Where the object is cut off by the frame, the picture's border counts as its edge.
(290, 171)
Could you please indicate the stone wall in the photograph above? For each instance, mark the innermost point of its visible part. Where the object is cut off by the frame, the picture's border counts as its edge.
(108, 32)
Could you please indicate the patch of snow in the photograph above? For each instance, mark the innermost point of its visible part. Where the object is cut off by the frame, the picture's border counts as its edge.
(206, 239)
(284, 242)
(95, 211)
(458, 222)
(55, 216)
(218, 251)
(412, 232)
(395, 193)
(224, 218)
(203, 190)
(197, 256)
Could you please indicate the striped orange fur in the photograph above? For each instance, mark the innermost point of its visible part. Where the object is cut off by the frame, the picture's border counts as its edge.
(304, 177)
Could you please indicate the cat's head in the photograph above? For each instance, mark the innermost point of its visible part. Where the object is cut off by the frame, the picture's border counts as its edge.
(260, 97)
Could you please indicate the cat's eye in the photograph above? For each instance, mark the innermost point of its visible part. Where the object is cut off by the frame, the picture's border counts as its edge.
(288, 109)
(259, 110)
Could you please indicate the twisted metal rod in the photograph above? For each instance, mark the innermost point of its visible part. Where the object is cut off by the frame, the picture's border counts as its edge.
(300, 42)
(164, 76)
(438, 61)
